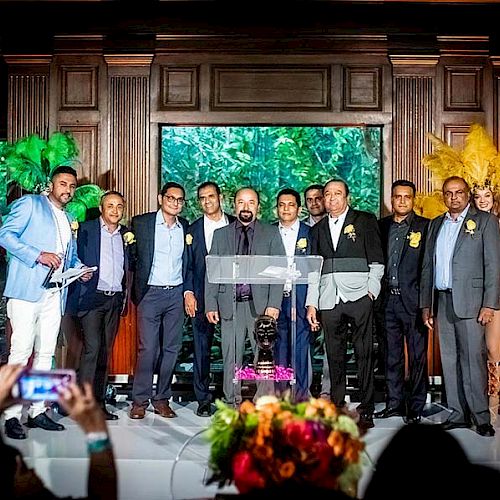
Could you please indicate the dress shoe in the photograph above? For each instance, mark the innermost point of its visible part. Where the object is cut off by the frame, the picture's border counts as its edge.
(107, 414)
(43, 421)
(448, 426)
(14, 429)
(413, 417)
(388, 411)
(365, 421)
(163, 409)
(485, 430)
(137, 412)
(59, 410)
(204, 409)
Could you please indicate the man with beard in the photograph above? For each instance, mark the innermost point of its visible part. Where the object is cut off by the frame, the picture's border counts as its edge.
(38, 236)
(245, 236)
(198, 243)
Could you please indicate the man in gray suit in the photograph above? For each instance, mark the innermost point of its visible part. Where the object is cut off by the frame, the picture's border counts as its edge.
(460, 278)
(245, 236)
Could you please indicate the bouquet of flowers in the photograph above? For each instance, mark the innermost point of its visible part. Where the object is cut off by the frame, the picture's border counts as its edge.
(277, 442)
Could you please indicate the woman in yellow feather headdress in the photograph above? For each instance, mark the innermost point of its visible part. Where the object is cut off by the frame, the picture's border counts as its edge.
(479, 164)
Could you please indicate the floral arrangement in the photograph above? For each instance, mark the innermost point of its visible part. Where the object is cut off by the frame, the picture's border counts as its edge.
(414, 238)
(470, 225)
(280, 443)
(129, 238)
(248, 373)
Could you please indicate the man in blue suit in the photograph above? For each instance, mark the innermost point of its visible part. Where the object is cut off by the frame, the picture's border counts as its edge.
(199, 242)
(38, 236)
(295, 236)
(102, 242)
(158, 259)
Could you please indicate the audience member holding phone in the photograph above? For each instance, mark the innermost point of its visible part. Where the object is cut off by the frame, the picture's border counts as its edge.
(18, 481)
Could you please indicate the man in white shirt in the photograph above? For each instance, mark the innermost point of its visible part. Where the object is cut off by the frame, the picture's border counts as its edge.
(37, 234)
(295, 236)
(199, 241)
(349, 242)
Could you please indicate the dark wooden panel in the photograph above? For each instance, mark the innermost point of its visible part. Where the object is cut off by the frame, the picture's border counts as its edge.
(87, 138)
(270, 87)
(179, 87)
(78, 87)
(454, 135)
(463, 86)
(362, 88)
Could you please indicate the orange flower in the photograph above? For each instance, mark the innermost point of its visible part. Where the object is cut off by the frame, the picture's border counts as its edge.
(247, 407)
(336, 441)
(287, 469)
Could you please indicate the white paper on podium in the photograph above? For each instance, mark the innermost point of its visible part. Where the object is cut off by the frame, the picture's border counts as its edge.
(72, 274)
(280, 273)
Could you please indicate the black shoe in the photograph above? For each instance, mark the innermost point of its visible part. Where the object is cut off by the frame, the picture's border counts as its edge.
(365, 421)
(485, 430)
(14, 429)
(59, 410)
(44, 422)
(448, 426)
(395, 411)
(413, 417)
(204, 409)
(107, 414)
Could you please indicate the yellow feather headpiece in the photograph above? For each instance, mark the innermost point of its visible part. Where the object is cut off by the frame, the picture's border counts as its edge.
(478, 163)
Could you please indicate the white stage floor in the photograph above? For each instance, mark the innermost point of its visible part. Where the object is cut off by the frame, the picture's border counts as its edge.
(146, 450)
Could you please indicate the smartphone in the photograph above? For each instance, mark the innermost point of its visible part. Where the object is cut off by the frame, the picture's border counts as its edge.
(42, 385)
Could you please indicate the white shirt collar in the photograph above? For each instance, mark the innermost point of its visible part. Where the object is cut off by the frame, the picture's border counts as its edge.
(461, 217)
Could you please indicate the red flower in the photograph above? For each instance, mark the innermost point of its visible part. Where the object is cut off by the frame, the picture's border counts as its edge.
(246, 477)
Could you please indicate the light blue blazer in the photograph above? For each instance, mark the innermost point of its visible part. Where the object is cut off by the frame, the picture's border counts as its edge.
(27, 230)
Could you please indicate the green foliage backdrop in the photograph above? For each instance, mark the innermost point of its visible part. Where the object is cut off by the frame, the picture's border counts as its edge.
(270, 159)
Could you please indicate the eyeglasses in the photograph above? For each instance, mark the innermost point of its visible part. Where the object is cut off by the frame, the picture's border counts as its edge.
(173, 199)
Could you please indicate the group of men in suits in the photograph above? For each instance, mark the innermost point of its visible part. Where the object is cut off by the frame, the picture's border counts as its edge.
(448, 270)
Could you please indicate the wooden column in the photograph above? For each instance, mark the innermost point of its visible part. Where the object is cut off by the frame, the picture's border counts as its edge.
(413, 116)
(28, 95)
(129, 170)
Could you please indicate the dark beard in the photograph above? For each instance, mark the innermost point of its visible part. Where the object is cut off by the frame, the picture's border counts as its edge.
(245, 216)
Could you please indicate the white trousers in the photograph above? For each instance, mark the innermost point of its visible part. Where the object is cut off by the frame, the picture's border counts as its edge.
(35, 327)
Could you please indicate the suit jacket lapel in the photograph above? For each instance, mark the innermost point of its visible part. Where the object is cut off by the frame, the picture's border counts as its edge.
(96, 227)
(462, 235)
(151, 230)
(324, 233)
(203, 246)
(349, 219)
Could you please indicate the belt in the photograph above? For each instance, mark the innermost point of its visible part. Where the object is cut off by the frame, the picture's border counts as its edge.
(108, 293)
(395, 291)
(448, 290)
(245, 298)
(287, 293)
(163, 287)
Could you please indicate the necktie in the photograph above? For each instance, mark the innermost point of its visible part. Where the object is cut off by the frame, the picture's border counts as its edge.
(245, 247)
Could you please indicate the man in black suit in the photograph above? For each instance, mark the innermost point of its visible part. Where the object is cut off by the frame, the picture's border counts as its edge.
(100, 300)
(158, 259)
(349, 242)
(403, 237)
(199, 242)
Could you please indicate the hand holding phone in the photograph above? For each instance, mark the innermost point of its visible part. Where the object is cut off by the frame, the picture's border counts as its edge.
(42, 385)
(8, 379)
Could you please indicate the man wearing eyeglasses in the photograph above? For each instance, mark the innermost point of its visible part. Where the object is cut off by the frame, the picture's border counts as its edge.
(158, 259)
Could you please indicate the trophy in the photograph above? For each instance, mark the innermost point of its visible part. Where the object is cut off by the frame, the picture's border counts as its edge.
(265, 336)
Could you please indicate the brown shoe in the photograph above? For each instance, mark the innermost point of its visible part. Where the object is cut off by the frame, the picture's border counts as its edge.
(163, 409)
(137, 412)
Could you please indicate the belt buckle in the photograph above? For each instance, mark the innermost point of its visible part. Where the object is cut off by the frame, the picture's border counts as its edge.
(109, 293)
(287, 293)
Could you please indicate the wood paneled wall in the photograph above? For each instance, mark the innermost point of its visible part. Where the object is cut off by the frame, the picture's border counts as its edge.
(114, 103)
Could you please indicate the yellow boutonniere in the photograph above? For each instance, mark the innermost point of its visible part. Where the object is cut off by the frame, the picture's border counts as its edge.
(302, 243)
(414, 238)
(350, 231)
(129, 238)
(74, 227)
(189, 239)
(470, 226)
